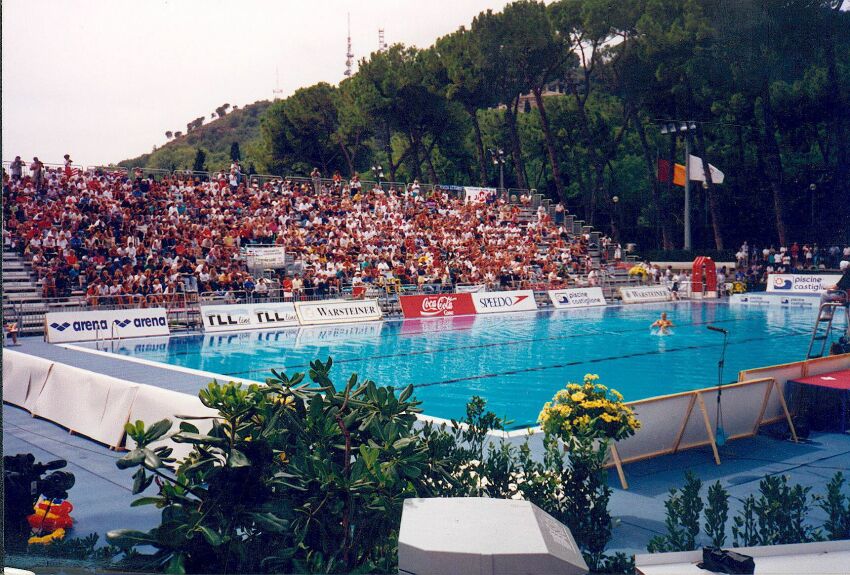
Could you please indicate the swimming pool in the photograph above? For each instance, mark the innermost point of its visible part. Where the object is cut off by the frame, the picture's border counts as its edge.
(517, 361)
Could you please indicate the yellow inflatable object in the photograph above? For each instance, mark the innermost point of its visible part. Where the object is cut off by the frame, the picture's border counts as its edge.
(739, 287)
(638, 270)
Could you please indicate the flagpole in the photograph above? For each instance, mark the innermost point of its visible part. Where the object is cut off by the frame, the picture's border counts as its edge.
(687, 193)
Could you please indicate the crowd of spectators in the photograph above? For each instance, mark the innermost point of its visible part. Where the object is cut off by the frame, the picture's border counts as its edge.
(123, 238)
(755, 264)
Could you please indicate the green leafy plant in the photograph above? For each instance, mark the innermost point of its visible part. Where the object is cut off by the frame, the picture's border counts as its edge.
(716, 514)
(836, 505)
(290, 477)
(682, 518)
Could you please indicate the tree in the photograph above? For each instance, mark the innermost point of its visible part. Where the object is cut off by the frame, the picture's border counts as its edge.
(199, 164)
(169, 134)
(299, 131)
(468, 85)
(235, 154)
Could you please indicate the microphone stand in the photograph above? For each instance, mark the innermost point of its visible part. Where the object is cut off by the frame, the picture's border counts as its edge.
(720, 434)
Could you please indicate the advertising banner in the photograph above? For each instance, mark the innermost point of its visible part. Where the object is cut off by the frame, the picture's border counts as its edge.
(61, 327)
(774, 299)
(248, 316)
(338, 311)
(477, 195)
(645, 294)
(800, 283)
(471, 288)
(577, 297)
(441, 305)
(495, 302)
(265, 257)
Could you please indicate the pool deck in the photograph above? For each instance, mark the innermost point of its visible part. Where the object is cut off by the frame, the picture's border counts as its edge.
(102, 493)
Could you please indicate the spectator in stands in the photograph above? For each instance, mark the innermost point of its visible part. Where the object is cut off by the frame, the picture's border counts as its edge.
(37, 171)
(16, 168)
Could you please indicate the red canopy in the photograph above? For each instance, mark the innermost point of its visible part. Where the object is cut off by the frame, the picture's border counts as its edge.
(833, 380)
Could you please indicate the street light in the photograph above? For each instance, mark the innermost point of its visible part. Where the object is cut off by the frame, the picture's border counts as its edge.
(378, 171)
(674, 128)
(498, 156)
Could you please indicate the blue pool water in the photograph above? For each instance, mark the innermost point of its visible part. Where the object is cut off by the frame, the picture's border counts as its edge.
(516, 361)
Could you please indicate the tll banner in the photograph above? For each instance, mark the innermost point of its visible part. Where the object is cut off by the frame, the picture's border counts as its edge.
(61, 327)
(248, 316)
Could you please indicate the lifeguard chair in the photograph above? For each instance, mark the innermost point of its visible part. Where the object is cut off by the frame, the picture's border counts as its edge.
(704, 278)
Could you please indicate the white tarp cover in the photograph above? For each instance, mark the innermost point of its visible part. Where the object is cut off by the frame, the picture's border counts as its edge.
(484, 536)
(153, 404)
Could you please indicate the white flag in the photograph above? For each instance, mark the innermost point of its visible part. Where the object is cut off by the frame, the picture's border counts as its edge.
(697, 174)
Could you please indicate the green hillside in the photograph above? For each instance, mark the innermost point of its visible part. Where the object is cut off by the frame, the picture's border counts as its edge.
(214, 138)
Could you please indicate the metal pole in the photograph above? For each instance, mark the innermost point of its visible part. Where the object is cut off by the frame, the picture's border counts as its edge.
(687, 194)
(501, 174)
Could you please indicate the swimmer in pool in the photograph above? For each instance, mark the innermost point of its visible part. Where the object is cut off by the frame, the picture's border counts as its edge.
(663, 324)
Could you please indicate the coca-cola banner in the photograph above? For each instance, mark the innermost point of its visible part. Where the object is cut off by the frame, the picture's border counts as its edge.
(440, 305)
(499, 301)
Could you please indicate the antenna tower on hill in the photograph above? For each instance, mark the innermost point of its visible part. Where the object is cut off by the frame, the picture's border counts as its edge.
(382, 44)
(349, 55)
(277, 91)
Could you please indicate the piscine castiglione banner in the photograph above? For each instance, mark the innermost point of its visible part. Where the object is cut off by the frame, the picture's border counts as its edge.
(800, 283)
(63, 327)
(577, 297)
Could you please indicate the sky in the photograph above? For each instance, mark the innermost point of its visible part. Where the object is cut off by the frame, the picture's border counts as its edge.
(103, 80)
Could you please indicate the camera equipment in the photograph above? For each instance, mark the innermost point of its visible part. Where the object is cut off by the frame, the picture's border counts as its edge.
(23, 481)
(724, 561)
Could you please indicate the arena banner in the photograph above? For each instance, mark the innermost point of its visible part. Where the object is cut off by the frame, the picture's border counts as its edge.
(62, 327)
(478, 195)
(338, 311)
(645, 294)
(248, 316)
(265, 257)
(775, 300)
(440, 305)
(471, 288)
(495, 302)
(800, 283)
(577, 297)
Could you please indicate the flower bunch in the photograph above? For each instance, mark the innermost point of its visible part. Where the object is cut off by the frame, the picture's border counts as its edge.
(589, 411)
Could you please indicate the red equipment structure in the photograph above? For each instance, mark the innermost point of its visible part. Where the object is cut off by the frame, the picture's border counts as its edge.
(704, 278)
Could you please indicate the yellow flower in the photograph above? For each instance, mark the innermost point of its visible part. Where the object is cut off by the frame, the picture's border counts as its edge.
(283, 458)
(617, 395)
(49, 538)
(573, 386)
(578, 396)
(607, 417)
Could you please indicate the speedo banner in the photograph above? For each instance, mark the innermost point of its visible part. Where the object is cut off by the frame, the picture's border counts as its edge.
(248, 316)
(577, 297)
(499, 301)
(440, 305)
(338, 311)
(60, 327)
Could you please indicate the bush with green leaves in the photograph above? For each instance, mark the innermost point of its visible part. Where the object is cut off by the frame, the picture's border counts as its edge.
(777, 515)
(297, 477)
(291, 477)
